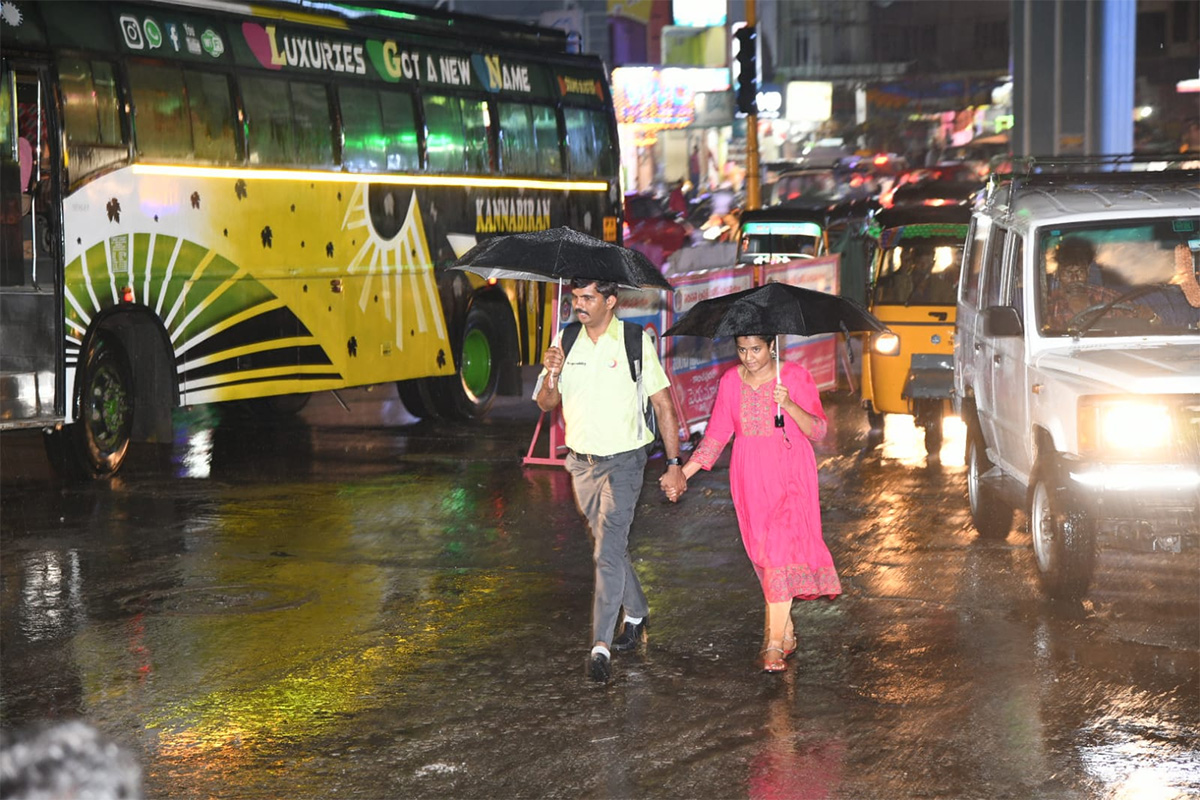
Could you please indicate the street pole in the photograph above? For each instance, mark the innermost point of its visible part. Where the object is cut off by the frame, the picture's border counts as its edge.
(753, 182)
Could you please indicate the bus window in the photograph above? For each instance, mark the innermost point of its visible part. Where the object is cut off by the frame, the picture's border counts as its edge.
(314, 127)
(529, 140)
(403, 151)
(457, 134)
(588, 142)
(547, 140)
(288, 122)
(211, 112)
(443, 125)
(475, 135)
(182, 116)
(162, 128)
(91, 115)
(380, 131)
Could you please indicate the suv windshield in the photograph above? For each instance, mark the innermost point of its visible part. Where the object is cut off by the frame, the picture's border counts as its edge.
(1120, 278)
(918, 272)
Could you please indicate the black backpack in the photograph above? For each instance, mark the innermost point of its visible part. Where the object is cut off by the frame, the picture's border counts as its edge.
(633, 355)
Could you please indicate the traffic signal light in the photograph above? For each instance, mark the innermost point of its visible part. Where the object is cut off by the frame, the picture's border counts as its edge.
(747, 59)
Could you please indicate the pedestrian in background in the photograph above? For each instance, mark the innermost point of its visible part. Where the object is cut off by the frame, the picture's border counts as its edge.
(603, 412)
(773, 481)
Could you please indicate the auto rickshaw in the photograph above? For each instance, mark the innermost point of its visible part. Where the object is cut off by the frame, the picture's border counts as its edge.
(909, 369)
(808, 230)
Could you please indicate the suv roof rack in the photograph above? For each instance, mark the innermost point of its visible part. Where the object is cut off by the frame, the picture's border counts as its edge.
(1116, 170)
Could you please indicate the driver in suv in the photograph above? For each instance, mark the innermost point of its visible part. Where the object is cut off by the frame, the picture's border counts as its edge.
(1076, 364)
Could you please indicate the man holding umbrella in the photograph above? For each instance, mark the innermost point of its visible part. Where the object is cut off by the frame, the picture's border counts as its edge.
(602, 409)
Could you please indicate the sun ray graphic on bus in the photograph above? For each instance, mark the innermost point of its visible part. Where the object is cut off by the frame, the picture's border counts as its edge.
(225, 327)
(390, 261)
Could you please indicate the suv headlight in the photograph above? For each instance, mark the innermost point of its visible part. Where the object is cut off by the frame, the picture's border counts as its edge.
(1136, 429)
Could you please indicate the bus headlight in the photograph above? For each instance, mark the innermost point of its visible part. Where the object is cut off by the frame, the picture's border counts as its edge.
(886, 344)
(1125, 427)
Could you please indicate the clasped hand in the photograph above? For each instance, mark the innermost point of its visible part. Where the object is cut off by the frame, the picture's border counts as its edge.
(673, 485)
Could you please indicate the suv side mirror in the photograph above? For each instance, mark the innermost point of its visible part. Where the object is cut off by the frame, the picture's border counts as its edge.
(1002, 321)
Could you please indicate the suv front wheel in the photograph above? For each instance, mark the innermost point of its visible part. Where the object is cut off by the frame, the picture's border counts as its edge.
(1064, 540)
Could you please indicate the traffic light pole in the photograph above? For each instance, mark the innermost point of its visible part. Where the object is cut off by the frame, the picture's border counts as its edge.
(753, 175)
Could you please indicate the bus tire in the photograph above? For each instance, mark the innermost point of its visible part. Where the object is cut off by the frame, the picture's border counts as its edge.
(95, 445)
(472, 392)
(416, 402)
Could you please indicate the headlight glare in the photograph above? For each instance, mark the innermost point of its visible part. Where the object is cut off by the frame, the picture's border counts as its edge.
(1129, 428)
(1135, 426)
(887, 344)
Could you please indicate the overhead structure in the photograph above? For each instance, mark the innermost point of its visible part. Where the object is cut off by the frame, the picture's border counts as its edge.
(1073, 77)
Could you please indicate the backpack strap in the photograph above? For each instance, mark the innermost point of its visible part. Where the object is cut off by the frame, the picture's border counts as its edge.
(569, 335)
(633, 350)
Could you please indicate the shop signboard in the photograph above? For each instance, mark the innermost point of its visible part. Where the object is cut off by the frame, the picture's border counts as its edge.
(695, 364)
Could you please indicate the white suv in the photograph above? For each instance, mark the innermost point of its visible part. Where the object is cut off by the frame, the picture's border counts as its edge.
(1077, 364)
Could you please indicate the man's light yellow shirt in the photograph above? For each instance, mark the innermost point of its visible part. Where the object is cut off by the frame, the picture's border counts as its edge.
(599, 400)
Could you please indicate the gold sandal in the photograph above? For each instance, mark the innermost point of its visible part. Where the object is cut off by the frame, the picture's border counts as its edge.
(773, 664)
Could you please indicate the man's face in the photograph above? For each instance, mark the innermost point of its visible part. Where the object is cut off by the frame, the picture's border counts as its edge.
(1072, 274)
(591, 307)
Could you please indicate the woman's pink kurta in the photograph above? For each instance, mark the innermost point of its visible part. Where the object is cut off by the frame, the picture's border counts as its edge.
(773, 480)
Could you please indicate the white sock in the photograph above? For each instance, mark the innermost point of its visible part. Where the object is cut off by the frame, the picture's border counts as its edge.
(601, 649)
(633, 620)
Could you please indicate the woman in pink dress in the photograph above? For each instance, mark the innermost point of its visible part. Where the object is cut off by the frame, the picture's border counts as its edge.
(773, 480)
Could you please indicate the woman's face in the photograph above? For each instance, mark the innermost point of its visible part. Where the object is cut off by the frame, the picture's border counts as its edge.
(754, 352)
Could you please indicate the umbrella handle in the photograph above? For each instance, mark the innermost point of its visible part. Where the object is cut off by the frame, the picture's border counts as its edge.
(778, 409)
(552, 377)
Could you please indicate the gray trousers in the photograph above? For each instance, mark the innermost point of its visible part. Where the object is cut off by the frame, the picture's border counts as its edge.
(607, 493)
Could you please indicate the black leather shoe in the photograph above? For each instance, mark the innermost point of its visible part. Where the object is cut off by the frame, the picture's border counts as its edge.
(629, 638)
(599, 669)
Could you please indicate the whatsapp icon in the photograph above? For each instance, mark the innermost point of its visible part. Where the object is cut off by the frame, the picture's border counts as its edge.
(154, 36)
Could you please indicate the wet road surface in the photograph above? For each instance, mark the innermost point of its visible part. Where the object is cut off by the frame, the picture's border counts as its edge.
(357, 605)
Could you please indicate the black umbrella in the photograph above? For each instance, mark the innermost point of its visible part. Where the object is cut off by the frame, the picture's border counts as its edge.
(774, 309)
(560, 254)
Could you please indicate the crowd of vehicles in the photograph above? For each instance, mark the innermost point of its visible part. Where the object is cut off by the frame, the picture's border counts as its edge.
(232, 203)
(1079, 384)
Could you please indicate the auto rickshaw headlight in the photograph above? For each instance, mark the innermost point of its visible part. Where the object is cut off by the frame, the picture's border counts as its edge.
(886, 344)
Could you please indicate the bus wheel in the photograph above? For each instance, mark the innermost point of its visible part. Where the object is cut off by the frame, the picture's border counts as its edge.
(419, 398)
(474, 390)
(95, 444)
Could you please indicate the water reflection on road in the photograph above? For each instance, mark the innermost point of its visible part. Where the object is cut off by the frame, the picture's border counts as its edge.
(360, 604)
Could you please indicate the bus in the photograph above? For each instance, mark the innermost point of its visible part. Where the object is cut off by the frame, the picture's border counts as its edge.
(213, 202)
